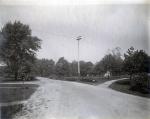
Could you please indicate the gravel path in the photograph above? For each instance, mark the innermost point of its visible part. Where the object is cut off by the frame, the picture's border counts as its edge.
(70, 100)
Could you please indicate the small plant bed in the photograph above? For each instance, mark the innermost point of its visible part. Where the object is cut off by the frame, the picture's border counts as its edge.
(94, 81)
(16, 92)
(124, 86)
(91, 80)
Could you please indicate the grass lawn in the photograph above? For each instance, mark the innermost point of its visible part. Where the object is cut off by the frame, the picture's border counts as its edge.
(16, 92)
(7, 112)
(124, 86)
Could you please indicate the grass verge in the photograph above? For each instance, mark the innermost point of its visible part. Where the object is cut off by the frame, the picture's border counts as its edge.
(7, 112)
(16, 92)
(124, 86)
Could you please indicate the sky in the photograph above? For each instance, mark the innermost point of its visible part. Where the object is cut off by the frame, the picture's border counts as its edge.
(102, 26)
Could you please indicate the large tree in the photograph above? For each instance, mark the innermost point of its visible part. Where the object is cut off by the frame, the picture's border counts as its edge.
(110, 62)
(18, 47)
(74, 68)
(44, 67)
(62, 67)
(136, 62)
(85, 68)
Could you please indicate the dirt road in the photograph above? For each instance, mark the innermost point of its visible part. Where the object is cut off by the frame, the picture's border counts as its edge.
(69, 100)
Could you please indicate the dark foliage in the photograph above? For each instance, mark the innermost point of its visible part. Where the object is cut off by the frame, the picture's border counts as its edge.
(136, 65)
(18, 49)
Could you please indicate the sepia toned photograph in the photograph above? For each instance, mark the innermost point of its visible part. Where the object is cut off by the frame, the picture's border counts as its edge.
(74, 59)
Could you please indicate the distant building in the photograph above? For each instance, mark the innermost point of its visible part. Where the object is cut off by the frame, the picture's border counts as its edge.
(107, 74)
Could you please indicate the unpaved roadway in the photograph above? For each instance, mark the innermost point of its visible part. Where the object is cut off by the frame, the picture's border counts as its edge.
(56, 99)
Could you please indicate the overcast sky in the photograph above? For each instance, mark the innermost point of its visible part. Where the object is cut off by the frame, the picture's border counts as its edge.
(103, 27)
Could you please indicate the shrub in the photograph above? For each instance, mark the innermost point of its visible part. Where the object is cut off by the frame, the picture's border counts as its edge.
(140, 79)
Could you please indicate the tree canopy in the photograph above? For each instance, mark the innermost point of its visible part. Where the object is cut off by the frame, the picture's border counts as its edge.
(136, 61)
(110, 62)
(18, 47)
(86, 68)
(44, 67)
(136, 64)
(62, 67)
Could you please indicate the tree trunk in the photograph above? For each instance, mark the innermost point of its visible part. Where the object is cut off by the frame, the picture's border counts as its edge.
(16, 75)
(131, 81)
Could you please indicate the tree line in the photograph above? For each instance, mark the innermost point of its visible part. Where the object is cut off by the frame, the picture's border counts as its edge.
(134, 63)
(110, 62)
(18, 51)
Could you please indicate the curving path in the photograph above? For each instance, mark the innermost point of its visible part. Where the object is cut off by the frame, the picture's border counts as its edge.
(70, 100)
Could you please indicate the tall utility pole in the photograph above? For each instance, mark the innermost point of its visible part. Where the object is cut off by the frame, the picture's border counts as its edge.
(78, 39)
